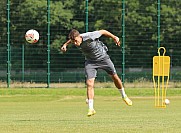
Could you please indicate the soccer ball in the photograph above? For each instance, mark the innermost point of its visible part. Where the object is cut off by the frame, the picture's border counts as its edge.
(32, 36)
(86, 101)
(167, 102)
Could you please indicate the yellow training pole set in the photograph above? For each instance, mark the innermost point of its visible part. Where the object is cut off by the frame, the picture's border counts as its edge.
(161, 70)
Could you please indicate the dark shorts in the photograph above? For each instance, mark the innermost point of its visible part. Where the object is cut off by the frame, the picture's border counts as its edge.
(92, 66)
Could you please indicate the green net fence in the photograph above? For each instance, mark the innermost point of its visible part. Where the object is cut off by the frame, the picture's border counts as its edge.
(29, 62)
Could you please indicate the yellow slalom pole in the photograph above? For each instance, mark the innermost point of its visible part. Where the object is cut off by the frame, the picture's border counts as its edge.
(158, 89)
(163, 76)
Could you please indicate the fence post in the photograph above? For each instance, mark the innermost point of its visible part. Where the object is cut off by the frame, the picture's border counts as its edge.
(123, 41)
(23, 63)
(158, 23)
(86, 16)
(48, 43)
(8, 46)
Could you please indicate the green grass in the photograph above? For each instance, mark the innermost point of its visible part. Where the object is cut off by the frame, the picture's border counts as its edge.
(64, 111)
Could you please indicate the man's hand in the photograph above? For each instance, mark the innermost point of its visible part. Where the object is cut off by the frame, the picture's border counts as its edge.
(64, 48)
(116, 40)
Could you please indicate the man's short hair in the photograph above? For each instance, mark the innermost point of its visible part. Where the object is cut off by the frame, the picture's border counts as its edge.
(73, 34)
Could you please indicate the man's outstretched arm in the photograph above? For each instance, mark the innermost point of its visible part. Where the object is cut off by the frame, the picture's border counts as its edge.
(109, 34)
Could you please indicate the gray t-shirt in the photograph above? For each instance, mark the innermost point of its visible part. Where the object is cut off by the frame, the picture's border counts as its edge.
(92, 48)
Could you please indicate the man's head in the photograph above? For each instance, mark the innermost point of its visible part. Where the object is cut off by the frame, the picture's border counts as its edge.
(75, 37)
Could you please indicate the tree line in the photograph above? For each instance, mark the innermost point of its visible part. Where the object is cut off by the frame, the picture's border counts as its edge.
(140, 28)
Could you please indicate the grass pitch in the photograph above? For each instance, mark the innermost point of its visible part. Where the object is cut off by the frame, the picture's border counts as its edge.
(64, 111)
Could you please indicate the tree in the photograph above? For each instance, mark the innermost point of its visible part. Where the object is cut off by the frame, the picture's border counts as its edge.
(3, 20)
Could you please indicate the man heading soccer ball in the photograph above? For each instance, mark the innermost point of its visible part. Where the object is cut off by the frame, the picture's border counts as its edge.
(96, 56)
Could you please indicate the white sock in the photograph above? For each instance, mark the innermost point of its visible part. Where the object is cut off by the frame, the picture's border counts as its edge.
(123, 94)
(91, 104)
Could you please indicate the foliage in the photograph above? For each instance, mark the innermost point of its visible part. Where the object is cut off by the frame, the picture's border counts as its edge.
(140, 21)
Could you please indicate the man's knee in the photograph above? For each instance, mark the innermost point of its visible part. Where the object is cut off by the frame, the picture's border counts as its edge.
(115, 77)
(90, 83)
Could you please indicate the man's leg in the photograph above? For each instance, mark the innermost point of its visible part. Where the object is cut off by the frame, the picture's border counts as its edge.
(118, 84)
(90, 96)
